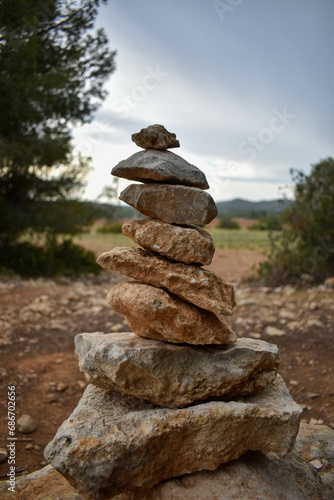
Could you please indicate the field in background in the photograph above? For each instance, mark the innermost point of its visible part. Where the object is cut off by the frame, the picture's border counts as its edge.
(241, 239)
(237, 255)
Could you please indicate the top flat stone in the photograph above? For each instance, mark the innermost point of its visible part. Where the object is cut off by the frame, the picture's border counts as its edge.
(155, 137)
(160, 166)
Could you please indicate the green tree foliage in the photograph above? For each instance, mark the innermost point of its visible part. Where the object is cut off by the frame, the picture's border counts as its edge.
(227, 223)
(53, 66)
(52, 71)
(306, 247)
(269, 223)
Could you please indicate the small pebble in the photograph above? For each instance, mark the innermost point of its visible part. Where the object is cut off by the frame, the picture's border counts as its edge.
(26, 424)
(316, 463)
(50, 398)
(312, 395)
(3, 455)
(61, 387)
(255, 335)
(316, 421)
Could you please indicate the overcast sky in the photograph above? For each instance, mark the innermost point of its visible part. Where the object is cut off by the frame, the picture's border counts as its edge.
(246, 85)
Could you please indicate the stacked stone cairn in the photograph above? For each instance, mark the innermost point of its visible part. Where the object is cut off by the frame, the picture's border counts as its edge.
(180, 393)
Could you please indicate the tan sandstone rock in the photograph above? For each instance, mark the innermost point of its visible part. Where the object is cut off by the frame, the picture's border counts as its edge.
(154, 313)
(174, 204)
(187, 244)
(44, 484)
(175, 376)
(160, 166)
(114, 442)
(156, 137)
(198, 286)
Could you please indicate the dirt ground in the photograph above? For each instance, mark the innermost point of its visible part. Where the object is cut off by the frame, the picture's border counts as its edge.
(40, 318)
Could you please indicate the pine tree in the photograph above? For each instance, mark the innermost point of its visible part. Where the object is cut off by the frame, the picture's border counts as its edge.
(53, 66)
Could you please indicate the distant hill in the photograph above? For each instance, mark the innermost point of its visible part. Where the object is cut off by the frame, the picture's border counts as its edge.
(251, 209)
(108, 210)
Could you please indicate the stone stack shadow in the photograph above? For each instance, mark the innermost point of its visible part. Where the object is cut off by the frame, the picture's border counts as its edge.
(179, 393)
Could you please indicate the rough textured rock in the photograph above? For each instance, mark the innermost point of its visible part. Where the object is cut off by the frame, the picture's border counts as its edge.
(174, 204)
(156, 137)
(315, 443)
(198, 286)
(250, 477)
(160, 166)
(44, 484)
(187, 244)
(154, 313)
(176, 376)
(112, 441)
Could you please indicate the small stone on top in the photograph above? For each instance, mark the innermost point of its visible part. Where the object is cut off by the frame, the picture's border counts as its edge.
(155, 137)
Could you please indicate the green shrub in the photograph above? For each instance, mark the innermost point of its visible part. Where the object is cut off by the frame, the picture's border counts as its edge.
(228, 223)
(115, 227)
(305, 248)
(64, 259)
(270, 223)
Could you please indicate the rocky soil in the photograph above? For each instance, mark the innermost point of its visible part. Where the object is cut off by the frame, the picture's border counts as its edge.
(40, 318)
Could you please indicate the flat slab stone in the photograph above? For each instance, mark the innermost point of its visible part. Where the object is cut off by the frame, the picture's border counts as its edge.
(112, 442)
(160, 166)
(174, 204)
(198, 286)
(187, 244)
(175, 376)
(156, 137)
(154, 313)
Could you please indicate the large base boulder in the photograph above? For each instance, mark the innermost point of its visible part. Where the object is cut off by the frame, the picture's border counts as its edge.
(112, 442)
(250, 477)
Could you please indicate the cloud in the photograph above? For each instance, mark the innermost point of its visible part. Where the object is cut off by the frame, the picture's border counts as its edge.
(222, 85)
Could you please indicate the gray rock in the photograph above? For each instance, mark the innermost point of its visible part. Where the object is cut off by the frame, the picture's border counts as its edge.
(174, 204)
(193, 284)
(250, 477)
(187, 244)
(156, 137)
(160, 166)
(154, 313)
(315, 443)
(172, 375)
(114, 442)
